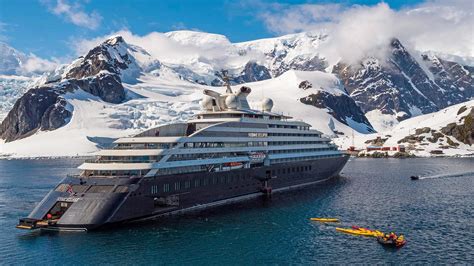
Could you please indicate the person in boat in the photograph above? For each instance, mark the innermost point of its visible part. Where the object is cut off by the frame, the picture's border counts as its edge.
(392, 235)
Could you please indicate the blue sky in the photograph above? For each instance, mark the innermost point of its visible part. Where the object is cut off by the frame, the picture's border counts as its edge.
(45, 28)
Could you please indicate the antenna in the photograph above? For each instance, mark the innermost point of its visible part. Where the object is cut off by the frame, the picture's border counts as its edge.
(226, 80)
(353, 144)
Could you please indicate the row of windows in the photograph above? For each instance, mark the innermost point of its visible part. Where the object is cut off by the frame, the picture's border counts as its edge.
(113, 173)
(136, 146)
(288, 126)
(224, 144)
(127, 159)
(302, 150)
(295, 169)
(228, 179)
(196, 183)
(292, 135)
(276, 143)
(305, 158)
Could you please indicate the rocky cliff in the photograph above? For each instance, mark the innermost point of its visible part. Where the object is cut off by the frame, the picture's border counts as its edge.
(399, 85)
(45, 107)
(341, 107)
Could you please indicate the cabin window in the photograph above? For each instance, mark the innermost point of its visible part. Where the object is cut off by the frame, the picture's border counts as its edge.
(166, 187)
(197, 183)
(187, 184)
(177, 186)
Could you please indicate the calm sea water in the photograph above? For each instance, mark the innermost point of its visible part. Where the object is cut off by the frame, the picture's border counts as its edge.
(436, 214)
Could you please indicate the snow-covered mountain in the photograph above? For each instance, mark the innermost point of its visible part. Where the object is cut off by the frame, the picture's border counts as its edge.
(449, 131)
(119, 88)
(402, 86)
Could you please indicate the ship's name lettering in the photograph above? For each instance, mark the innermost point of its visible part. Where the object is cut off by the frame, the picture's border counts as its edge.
(68, 199)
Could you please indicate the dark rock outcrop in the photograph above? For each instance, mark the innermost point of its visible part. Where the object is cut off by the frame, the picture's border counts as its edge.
(453, 78)
(252, 72)
(108, 87)
(303, 63)
(305, 85)
(399, 85)
(42, 108)
(386, 85)
(463, 132)
(100, 59)
(341, 107)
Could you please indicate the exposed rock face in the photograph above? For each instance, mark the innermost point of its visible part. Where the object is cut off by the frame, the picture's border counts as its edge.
(305, 85)
(386, 85)
(108, 87)
(304, 63)
(341, 107)
(463, 132)
(451, 77)
(41, 108)
(102, 58)
(252, 72)
(44, 108)
(400, 86)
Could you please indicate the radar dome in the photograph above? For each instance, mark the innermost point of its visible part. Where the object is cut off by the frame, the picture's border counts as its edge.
(267, 104)
(206, 103)
(231, 101)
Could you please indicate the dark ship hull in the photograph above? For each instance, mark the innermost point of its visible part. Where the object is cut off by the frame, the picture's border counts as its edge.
(93, 203)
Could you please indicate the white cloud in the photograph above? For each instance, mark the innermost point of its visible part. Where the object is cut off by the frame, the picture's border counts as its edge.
(443, 26)
(35, 64)
(184, 47)
(74, 13)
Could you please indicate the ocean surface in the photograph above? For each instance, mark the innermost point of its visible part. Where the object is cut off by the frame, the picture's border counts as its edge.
(436, 214)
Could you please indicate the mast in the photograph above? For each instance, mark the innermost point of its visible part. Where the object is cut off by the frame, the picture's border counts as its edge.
(226, 80)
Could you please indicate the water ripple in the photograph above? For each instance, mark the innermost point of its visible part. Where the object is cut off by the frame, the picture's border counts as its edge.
(435, 214)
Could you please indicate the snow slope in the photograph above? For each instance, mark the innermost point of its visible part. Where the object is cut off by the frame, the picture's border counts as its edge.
(434, 121)
(12, 88)
(164, 99)
(163, 84)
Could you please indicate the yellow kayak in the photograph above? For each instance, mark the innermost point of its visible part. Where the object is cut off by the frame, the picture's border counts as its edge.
(325, 220)
(354, 231)
(360, 231)
(374, 233)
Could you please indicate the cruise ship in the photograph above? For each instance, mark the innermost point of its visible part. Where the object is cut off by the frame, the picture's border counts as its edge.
(229, 152)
